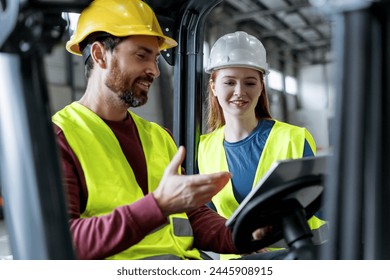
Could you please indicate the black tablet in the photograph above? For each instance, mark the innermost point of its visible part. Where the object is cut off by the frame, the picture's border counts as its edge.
(280, 173)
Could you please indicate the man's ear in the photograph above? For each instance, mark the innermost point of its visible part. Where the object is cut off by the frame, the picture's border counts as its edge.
(98, 54)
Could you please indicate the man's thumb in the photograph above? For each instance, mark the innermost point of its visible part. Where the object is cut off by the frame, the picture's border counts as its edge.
(176, 162)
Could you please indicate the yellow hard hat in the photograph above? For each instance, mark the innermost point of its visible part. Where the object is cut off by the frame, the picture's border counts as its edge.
(120, 18)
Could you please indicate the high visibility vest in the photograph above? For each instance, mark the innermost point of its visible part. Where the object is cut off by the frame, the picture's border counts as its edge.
(285, 141)
(111, 181)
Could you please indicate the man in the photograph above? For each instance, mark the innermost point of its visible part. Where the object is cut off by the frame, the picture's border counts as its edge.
(126, 197)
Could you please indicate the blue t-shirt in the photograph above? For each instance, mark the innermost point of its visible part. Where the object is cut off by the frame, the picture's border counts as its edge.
(243, 157)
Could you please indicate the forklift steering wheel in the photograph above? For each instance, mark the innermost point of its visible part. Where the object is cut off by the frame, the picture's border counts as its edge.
(286, 208)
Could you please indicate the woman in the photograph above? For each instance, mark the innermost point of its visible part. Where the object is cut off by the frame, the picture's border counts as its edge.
(243, 138)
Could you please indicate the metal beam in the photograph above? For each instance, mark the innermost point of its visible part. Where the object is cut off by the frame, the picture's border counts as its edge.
(262, 13)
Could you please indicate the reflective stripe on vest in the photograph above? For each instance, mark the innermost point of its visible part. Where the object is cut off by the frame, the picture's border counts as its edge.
(285, 141)
(163, 257)
(204, 256)
(114, 184)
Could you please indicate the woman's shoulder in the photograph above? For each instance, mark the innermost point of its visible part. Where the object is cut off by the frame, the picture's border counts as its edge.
(215, 133)
(286, 125)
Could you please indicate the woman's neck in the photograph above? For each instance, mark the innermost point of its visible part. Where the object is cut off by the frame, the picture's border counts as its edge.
(238, 129)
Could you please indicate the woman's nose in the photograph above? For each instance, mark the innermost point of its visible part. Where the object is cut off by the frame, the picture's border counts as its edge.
(238, 90)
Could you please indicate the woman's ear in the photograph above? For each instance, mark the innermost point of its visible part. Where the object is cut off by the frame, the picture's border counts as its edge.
(212, 86)
(98, 54)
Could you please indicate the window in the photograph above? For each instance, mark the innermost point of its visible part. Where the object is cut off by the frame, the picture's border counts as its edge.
(275, 80)
(72, 19)
(291, 85)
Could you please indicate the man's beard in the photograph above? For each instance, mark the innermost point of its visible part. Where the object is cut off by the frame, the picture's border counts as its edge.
(120, 82)
(132, 100)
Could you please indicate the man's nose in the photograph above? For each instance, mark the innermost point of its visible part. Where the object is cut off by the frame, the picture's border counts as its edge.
(153, 70)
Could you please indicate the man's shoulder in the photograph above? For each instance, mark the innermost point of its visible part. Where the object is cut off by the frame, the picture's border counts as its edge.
(57, 129)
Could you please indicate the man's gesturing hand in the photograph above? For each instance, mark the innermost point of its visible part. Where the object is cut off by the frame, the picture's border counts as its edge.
(181, 193)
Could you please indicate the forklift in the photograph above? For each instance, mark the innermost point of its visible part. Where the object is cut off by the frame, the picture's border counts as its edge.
(355, 184)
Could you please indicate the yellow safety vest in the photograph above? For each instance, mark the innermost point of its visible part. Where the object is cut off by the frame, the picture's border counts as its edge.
(285, 141)
(111, 182)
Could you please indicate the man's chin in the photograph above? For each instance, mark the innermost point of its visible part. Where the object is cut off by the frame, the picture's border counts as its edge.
(137, 103)
(134, 100)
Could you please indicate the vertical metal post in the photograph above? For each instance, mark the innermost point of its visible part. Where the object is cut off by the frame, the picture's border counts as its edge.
(358, 188)
(34, 201)
(188, 78)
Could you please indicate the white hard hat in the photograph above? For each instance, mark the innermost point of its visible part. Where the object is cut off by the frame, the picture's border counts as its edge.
(238, 49)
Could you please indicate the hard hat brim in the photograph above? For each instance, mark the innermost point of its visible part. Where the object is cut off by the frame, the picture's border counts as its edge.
(165, 43)
(262, 70)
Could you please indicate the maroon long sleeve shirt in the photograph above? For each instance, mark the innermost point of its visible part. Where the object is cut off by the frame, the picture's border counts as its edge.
(101, 237)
